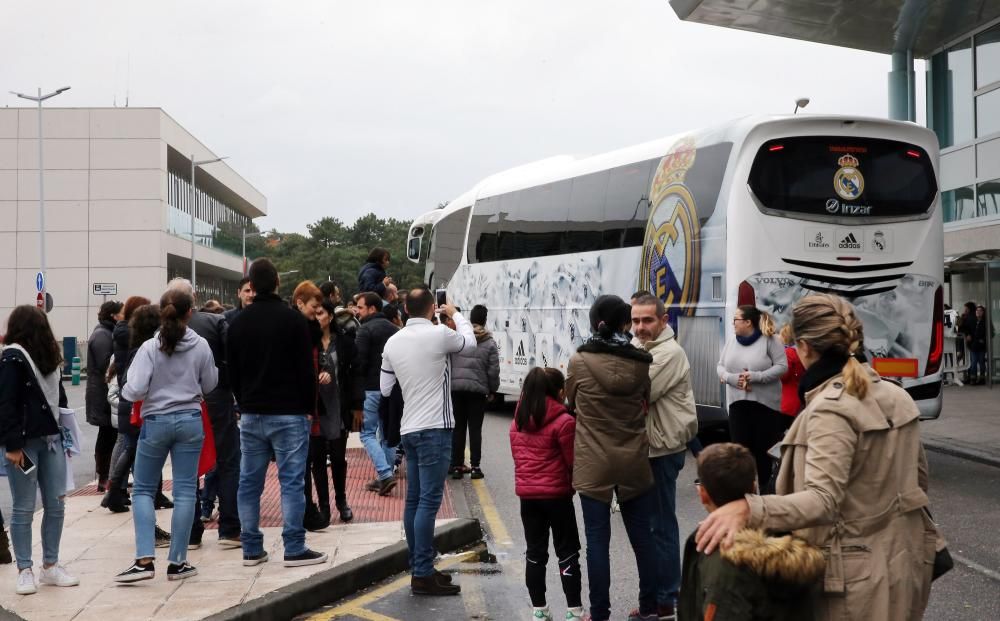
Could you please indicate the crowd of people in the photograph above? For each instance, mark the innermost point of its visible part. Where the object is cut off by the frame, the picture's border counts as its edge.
(224, 393)
(972, 342)
(818, 507)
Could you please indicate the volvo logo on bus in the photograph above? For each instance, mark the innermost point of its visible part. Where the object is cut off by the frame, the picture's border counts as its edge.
(671, 254)
(848, 182)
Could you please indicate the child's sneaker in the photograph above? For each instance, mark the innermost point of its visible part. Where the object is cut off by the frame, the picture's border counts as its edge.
(574, 614)
(635, 615)
(541, 614)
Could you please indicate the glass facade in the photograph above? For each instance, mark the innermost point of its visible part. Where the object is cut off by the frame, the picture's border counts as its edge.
(988, 57)
(963, 109)
(950, 86)
(216, 225)
(959, 204)
(988, 113)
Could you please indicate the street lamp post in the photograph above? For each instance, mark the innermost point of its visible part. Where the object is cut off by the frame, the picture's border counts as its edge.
(195, 164)
(245, 236)
(41, 184)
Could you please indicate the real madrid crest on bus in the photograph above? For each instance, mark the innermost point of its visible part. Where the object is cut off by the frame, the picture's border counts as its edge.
(848, 182)
(671, 257)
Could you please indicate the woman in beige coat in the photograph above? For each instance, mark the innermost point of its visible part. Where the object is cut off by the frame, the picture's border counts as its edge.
(853, 477)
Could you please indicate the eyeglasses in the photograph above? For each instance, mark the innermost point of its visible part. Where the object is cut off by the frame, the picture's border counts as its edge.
(697, 482)
(735, 319)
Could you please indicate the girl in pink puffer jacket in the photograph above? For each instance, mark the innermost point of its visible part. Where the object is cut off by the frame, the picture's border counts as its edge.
(541, 440)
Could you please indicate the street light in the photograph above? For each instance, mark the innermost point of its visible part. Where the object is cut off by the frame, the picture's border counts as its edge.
(195, 164)
(245, 236)
(41, 183)
(801, 102)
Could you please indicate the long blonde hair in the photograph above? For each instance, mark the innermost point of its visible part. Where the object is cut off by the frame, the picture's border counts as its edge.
(830, 324)
(766, 324)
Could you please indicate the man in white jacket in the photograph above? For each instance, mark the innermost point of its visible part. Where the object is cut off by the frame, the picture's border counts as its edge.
(671, 424)
(418, 358)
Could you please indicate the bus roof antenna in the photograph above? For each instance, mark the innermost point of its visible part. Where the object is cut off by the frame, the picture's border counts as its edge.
(801, 102)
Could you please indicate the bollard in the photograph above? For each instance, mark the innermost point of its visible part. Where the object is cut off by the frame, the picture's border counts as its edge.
(76, 370)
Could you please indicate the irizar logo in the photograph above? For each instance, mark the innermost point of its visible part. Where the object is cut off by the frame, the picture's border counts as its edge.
(834, 206)
(849, 243)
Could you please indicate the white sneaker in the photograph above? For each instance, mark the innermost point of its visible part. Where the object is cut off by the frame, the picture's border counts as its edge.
(541, 614)
(574, 614)
(57, 576)
(26, 582)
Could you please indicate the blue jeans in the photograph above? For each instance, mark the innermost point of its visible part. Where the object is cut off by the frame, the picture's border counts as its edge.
(428, 454)
(636, 513)
(382, 456)
(666, 535)
(287, 436)
(178, 434)
(49, 476)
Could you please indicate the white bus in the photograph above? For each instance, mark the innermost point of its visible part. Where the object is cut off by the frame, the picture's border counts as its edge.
(761, 210)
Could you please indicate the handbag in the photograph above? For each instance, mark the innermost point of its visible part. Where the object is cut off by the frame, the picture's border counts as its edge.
(943, 563)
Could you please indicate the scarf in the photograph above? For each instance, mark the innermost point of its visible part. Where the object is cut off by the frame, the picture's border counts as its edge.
(829, 365)
(746, 341)
(618, 344)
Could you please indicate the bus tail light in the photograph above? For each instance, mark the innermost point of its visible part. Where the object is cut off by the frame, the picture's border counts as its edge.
(937, 335)
(747, 296)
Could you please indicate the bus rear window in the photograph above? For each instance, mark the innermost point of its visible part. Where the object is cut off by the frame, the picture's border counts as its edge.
(834, 176)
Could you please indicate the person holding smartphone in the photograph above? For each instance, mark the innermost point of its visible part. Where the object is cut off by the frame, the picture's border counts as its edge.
(30, 397)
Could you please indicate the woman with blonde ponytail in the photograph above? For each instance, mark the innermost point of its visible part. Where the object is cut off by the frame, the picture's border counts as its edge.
(853, 476)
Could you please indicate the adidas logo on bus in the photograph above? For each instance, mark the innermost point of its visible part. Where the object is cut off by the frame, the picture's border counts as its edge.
(520, 358)
(849, 243)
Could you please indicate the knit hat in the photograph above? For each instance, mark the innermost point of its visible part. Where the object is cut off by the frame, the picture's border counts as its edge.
(608, 315)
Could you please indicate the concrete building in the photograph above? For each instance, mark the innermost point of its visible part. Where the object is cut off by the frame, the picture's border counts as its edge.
(117, 210)
(961, 42)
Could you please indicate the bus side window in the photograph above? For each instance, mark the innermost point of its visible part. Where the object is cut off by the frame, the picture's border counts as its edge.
(627, 205)
(585, 217)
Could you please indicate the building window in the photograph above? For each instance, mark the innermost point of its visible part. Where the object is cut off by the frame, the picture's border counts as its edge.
(216, 224)
(958, 204)
(988, 113)
(988, 57)
(951, 90)
(989, 198)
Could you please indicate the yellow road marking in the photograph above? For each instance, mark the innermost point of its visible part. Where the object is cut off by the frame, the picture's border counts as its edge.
(356, 606)
(490, 513)
(371, 616)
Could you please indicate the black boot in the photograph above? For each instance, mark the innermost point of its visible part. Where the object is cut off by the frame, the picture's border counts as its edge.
(5, 557)
(314, 520)
(114, 500)
(346, 515)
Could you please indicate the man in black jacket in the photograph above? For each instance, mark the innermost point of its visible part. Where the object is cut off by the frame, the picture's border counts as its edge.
(214, 329)
(270, 358)
(370, 340)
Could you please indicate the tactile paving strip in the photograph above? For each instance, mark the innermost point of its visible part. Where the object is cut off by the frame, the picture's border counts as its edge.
(367, 506)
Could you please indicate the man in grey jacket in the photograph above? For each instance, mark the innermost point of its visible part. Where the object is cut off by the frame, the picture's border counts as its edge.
(475, 375)
(671, 424)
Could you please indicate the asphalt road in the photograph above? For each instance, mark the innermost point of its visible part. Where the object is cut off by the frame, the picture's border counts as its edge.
(966, 502)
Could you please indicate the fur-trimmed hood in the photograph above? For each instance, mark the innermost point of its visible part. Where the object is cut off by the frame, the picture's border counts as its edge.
(787, 560)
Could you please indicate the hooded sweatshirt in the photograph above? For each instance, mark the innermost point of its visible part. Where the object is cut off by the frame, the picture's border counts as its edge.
(759, 577)
(167, 384)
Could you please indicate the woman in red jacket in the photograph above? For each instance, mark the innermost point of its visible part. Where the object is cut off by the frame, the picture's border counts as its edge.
(541, 440)
(790, 402)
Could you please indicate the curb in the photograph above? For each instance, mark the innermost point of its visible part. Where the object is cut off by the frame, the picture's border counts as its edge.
(963, 452)
(338, 582)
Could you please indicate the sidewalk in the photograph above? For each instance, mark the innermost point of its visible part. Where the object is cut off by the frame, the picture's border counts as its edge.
(969, 426)
(97, 544)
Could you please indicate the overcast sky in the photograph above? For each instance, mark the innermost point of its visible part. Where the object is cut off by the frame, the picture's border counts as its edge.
(335, 108)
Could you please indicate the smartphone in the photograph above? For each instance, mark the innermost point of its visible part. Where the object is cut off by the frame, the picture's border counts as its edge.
(441, 297)
(27, 466)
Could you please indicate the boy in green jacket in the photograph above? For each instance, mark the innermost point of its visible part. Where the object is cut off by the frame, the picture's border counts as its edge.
(758, 577)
